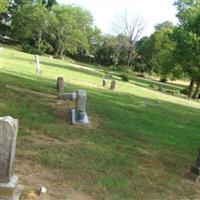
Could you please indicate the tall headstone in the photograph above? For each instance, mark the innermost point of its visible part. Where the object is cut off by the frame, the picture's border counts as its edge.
(79, 114)
(37, 64)
(104, 83)
(113, 84)
(60, 85)
(8, 181)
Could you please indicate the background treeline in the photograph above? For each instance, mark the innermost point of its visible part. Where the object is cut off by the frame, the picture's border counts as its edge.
(44, 26)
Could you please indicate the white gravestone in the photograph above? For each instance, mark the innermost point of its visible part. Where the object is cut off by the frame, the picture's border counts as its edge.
(8, 181)
(79, 114)
(37, 64)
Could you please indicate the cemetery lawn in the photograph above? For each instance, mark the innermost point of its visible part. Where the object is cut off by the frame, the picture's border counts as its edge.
(140, 143)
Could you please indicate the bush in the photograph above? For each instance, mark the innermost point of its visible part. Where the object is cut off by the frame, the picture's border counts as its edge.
(124, 77)
(163, 80)
(184, 91)
(31, 49)
(152, 86)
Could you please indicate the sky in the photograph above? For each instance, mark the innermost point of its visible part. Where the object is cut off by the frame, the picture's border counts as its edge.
(105, 12)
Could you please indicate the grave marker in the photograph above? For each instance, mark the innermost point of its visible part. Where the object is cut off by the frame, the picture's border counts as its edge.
(104, 83)
(79, 115)
(37, 65)
(113, 84)
(8, 181)
(60, 85)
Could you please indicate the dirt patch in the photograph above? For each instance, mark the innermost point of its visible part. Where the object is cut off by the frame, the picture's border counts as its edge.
(33, 176)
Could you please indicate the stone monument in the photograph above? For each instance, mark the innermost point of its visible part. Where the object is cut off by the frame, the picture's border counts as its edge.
(37, 65)
(113, 84)
(104, 83)
(9, 190)
(60, 85)
(79, 115)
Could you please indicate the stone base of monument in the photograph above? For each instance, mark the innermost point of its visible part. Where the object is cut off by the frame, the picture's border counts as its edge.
(68, 96)
(83, 121)
(11, 190)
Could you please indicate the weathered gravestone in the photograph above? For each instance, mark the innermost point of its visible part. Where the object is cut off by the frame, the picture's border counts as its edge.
(9, 190)
(104, 83)
(113, 84)
(79, 115)
(60, 85)
(37, 65)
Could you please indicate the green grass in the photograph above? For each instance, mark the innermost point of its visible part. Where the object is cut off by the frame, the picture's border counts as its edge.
(140, 143)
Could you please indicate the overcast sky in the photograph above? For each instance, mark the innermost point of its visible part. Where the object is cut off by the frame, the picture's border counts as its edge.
(105, 11)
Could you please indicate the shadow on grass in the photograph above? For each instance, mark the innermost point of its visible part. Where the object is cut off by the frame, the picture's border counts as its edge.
(159, 122)
(136, 135)
(76, 69)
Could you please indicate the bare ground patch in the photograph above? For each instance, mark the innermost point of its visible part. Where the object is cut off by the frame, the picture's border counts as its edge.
(33, 176)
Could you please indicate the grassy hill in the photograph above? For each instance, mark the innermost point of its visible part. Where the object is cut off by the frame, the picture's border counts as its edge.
(140, 143)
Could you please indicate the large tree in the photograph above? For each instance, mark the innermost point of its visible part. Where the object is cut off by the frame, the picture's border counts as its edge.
(68, 28)
(188, 41)
(132, 27)
(29, 25)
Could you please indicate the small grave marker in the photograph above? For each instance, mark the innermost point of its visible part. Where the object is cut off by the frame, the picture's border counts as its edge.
(104, 83)
(60, 85)
(113, 85)
(37, 65)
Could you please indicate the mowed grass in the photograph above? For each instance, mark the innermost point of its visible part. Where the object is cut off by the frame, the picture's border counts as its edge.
(140, 143)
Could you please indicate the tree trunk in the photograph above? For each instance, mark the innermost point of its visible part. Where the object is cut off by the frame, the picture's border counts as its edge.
(61, 52)
(190, 88)
(39, 41)
(197, 91)
(117, 54)
(129, 56)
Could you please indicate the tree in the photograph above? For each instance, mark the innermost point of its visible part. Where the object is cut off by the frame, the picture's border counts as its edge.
(132, 28)
(68, 28)
(29, 24)
(187, 55)
(156, 51)
(4, 6)
(188, 37)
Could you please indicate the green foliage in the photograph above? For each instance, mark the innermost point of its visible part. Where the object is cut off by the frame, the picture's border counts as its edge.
(124, 77)
(29, 25)
(4, 6)
(68, 26)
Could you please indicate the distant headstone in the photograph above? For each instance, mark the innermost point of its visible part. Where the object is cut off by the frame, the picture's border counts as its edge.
(37, 64)
(79, 114)
(60, 85)
(104, 83)
(113, 84)
(8, 181)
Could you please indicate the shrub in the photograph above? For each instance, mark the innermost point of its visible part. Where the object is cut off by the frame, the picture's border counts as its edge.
(124, 77)
(184, 91)
(163, 80)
